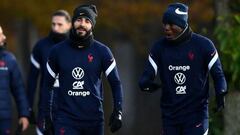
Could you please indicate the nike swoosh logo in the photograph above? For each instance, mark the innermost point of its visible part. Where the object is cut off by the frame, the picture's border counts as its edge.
(198, 125)
(177, 11)
(81, 13)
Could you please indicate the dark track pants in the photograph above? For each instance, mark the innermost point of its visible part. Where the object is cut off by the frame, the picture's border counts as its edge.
(197, 128)
(66, 129)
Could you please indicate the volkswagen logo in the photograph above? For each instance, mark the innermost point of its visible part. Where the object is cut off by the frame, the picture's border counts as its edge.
(78, 73)
(180, 78)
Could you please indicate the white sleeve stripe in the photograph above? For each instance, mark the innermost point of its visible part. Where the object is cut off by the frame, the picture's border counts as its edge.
(206, 132)
(38, 131)
(50, 71)
(214, 59)
(154, 65)
(34, 62)
(110, 68)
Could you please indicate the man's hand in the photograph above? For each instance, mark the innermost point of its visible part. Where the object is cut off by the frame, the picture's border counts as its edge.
(220, 100)
(115, 121)
(24, 122)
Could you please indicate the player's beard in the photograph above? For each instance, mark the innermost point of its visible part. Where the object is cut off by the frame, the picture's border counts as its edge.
(79, 39)
(82, 32)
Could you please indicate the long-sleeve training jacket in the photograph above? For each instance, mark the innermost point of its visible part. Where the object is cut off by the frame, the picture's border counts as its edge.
(80, 77)
(11, 83)
(184, 70)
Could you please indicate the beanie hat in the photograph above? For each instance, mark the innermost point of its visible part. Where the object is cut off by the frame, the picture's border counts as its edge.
(86, 11)
(176, 13)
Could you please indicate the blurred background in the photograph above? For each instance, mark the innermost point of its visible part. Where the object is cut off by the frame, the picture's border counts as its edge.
(129, 28)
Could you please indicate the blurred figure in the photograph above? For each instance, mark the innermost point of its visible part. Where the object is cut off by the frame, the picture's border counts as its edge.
(11, 83)
(80, 62)
(183, 60)
(61, 24)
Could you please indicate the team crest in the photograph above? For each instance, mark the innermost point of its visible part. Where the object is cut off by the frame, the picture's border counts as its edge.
(2, 63)
(90, 57)
(191, 55)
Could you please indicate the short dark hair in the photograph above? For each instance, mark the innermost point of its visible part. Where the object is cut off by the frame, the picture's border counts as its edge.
(63, 13)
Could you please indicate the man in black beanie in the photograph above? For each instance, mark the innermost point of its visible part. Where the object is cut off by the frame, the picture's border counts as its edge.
(82, 36)
(80, 62)
(183, 60)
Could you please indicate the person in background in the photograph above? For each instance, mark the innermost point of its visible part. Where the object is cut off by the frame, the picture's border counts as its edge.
(11, 82)
(60, 26)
